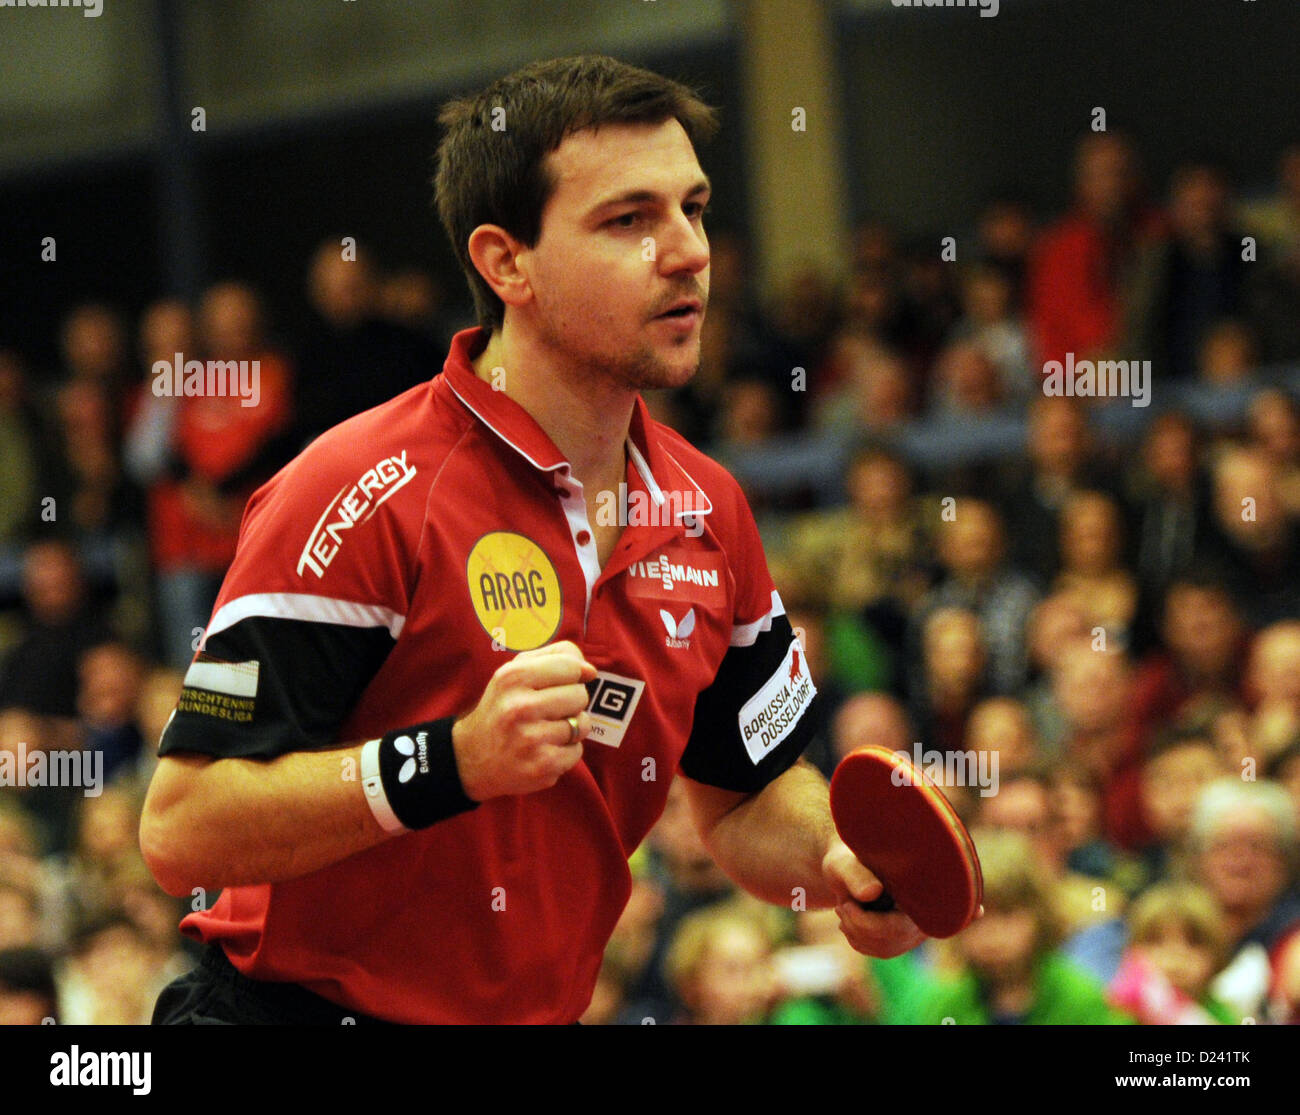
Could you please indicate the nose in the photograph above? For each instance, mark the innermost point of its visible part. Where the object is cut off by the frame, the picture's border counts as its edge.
(683, 247)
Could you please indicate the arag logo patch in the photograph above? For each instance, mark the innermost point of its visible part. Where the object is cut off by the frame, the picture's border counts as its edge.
(515, 590)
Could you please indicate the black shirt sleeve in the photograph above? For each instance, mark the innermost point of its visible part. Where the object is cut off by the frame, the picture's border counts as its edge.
(751, 723)
(267, 686)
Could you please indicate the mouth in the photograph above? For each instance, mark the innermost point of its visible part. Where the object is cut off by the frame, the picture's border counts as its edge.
(683, 307)
(687, 308)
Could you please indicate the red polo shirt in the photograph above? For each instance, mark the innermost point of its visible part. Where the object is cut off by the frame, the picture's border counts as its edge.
(381, 579)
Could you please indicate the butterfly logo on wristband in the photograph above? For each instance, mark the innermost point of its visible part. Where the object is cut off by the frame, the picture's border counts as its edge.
(406, 746)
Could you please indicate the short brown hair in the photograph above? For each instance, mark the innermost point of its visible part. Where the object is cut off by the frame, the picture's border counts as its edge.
(1015, 880)
(498, 175)
(696, 935)
(1185, 906)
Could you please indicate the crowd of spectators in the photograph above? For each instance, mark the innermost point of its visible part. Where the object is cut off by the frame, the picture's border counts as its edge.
(1108, 615)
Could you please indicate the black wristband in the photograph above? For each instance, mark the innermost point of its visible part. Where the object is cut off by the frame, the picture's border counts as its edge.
(417, 767)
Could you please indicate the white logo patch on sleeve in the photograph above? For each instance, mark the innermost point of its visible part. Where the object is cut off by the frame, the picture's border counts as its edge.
(770, 715)
(235, 679)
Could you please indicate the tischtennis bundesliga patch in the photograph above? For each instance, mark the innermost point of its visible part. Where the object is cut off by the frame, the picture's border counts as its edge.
(222, 690)
(771, 714)
(613, 701)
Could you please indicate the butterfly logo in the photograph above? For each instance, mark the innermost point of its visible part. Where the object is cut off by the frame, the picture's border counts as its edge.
(406, 746)
(679, 631)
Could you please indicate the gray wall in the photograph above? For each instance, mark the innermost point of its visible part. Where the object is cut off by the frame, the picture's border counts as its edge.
(77, 86)
(944, 106)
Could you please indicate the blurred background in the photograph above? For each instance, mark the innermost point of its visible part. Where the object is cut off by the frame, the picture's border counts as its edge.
(913, 211)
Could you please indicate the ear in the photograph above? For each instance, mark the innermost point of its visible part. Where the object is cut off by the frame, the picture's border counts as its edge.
(495, 254)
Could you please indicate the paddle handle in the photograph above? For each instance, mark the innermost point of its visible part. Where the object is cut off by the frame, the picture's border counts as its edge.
(881, 905)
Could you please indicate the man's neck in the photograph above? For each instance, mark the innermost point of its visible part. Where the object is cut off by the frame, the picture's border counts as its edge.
(588, 419)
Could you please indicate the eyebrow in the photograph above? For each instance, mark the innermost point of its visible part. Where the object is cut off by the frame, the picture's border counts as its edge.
(631, 197)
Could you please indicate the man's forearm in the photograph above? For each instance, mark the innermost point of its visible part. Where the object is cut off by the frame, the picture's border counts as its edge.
(241, 822)
(774, 842)
(237, 822)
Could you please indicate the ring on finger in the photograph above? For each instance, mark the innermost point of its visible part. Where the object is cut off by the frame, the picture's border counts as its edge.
(573, 729)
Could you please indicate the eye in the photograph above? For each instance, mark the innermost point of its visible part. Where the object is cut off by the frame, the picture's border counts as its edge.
(696, 209)
(626, 220)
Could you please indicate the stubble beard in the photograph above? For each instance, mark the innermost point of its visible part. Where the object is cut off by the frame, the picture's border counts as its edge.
(646, 370)
(642, 369)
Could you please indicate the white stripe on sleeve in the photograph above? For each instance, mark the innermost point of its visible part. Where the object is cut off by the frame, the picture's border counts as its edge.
(305, 606)
(746, 634)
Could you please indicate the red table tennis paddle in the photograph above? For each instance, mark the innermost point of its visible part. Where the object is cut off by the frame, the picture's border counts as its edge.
(898, 823)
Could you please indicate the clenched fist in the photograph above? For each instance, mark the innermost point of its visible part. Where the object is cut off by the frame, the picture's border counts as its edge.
(518, 739)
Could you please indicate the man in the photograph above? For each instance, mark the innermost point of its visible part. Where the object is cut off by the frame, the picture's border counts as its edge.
(976, 577)
(1073, 290)
(385, 752)
(1188, 279)
(346, 333)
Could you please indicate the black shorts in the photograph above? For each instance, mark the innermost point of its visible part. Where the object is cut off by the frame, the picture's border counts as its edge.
(216, 993)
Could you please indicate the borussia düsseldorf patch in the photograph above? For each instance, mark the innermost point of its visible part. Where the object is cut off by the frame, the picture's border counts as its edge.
(770, 715)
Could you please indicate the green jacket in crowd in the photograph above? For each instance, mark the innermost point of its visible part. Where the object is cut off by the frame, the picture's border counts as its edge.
(1064, 995)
